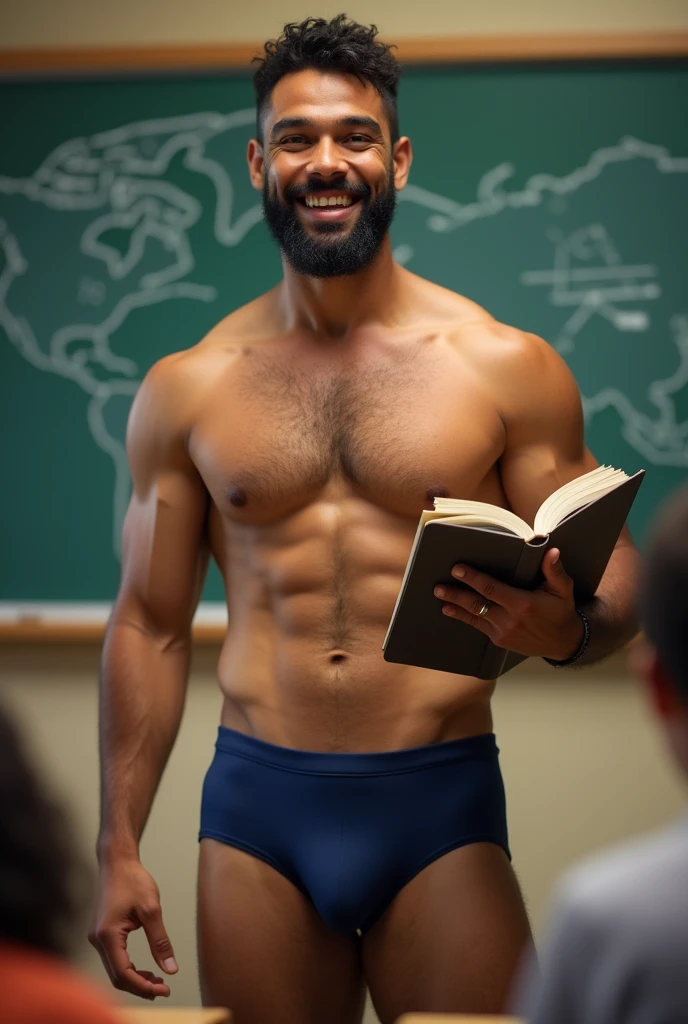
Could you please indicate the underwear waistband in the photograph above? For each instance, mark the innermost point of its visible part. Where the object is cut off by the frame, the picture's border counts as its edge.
(314, 762)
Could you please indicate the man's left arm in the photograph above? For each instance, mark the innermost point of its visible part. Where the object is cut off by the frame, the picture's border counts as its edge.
(541, 410)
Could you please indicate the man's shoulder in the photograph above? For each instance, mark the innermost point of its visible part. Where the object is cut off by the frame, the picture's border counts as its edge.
(474, 330)
(187, 372)
(638, 883)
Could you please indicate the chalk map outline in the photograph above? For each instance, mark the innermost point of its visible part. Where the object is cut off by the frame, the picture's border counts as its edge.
(118, 174)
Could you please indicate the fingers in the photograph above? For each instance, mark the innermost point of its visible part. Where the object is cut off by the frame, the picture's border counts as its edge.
(111, 945)
(158, 940)
(557, 580)
(488, 587)
(468, 603)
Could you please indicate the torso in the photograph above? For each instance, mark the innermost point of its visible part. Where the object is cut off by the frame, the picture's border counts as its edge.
(319, 458)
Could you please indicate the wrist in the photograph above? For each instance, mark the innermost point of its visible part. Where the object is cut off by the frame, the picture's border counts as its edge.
(116, 849)
(576, 645)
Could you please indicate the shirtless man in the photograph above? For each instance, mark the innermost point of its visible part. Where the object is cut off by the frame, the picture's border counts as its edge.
(352, 822)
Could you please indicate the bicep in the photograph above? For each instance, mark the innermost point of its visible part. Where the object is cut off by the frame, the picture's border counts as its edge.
(164, 547)
(545, 445)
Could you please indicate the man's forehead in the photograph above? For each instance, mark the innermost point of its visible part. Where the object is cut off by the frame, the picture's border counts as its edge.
(322, 96)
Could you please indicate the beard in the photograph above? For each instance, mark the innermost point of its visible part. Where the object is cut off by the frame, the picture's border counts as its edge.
(330, 252)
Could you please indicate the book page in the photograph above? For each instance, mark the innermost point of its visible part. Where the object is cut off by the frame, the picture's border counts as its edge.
(574, 495)
(480, 513)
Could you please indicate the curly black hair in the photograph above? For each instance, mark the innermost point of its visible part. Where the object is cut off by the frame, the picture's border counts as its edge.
(336, 45)
(41, 878)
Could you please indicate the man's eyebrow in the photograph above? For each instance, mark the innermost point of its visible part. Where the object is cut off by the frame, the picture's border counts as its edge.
(355, 121)
(360, 122)
(290, 122)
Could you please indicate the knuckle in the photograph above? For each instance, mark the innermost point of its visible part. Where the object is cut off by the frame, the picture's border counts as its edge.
(162, 945)
(490, 589)
(149, 910)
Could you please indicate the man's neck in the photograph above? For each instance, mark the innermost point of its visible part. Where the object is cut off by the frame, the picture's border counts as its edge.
(333, 307)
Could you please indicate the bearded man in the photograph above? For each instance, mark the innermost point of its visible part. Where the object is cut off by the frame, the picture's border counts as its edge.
(353, 827)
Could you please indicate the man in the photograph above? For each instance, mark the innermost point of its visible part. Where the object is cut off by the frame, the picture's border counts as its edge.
(352, 825)
(619, 945)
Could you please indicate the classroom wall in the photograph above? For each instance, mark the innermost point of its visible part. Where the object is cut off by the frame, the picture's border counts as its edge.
(35, 23)
(583, 767)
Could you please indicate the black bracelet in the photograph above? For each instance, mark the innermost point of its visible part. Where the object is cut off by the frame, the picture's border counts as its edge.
(583, 645)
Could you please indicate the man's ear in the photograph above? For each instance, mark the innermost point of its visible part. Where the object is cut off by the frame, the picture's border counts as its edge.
(646, 664)
(403, 158)
(256, 164)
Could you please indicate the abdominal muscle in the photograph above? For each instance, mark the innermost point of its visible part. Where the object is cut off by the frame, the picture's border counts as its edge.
(302, 666)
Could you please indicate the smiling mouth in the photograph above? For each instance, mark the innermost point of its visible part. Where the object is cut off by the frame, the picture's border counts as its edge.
(323, 201)
(329, 206)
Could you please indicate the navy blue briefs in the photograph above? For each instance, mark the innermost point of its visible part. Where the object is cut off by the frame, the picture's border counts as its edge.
(350, 830)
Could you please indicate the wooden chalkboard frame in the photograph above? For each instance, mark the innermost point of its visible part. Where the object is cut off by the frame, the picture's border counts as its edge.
(452, 50)
(20, 63)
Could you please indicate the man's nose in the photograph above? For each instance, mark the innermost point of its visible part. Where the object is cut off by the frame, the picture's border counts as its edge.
(327, 159)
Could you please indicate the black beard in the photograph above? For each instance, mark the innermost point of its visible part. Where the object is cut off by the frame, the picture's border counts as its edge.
(327, 255)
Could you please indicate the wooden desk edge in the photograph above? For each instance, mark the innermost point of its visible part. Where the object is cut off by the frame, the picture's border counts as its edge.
(173, 1015)
(443, 1018)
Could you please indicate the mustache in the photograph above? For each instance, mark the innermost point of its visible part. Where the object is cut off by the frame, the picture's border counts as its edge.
(357, 190)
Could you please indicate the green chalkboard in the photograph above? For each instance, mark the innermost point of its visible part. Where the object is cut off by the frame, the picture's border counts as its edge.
(556, 195)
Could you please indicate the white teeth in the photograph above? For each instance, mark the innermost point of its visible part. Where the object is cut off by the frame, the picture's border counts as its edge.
(312, 201)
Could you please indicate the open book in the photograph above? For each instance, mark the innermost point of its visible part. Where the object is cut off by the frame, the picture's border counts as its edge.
(583, 518)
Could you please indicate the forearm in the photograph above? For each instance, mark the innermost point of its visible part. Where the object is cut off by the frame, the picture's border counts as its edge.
(143, 686)
(612, 613)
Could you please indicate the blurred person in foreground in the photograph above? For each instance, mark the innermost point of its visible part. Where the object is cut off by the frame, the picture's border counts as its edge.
(618, 948)
(41, 888)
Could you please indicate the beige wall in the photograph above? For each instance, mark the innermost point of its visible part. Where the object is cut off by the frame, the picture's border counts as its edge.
(28, 23)
(582, 766)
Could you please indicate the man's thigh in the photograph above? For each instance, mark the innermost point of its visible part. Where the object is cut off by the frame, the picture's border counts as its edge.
(263, 950)
(451, 940)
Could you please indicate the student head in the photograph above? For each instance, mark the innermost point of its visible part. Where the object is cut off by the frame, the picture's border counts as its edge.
(40, 879)
(327, 129)
(663, 660)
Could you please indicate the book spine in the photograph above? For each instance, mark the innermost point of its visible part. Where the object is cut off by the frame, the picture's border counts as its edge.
(527, 574)
(497, 660)
(492, 662)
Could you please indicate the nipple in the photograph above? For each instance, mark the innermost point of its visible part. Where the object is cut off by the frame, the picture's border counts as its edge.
(436, 492)
(237, 497)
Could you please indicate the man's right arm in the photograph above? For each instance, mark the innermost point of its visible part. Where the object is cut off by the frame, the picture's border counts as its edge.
(145, 663)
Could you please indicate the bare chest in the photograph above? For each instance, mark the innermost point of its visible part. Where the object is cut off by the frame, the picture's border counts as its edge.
(396, 428)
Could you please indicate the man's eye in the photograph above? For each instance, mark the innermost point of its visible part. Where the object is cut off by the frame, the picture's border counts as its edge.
(357, 139)
(293, 140)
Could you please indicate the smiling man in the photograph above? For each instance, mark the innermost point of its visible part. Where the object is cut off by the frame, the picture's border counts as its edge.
(353, 827)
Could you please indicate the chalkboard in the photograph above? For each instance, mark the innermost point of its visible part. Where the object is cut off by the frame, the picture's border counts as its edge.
(556, 195)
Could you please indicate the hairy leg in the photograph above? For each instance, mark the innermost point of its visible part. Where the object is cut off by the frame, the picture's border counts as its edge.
(263, 950)
(451, 940)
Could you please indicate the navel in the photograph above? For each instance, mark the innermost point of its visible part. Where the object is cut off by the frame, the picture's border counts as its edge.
(238, 497)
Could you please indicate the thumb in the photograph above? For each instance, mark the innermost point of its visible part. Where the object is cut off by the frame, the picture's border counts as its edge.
(158, 940)
(557, 581)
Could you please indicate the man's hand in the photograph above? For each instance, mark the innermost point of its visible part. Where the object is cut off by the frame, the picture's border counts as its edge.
(129, 899)
(540, 623)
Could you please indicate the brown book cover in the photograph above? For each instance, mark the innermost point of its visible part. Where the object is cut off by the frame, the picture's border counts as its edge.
(420, 634)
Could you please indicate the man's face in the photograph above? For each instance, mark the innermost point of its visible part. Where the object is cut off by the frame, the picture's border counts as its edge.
(328, 175)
